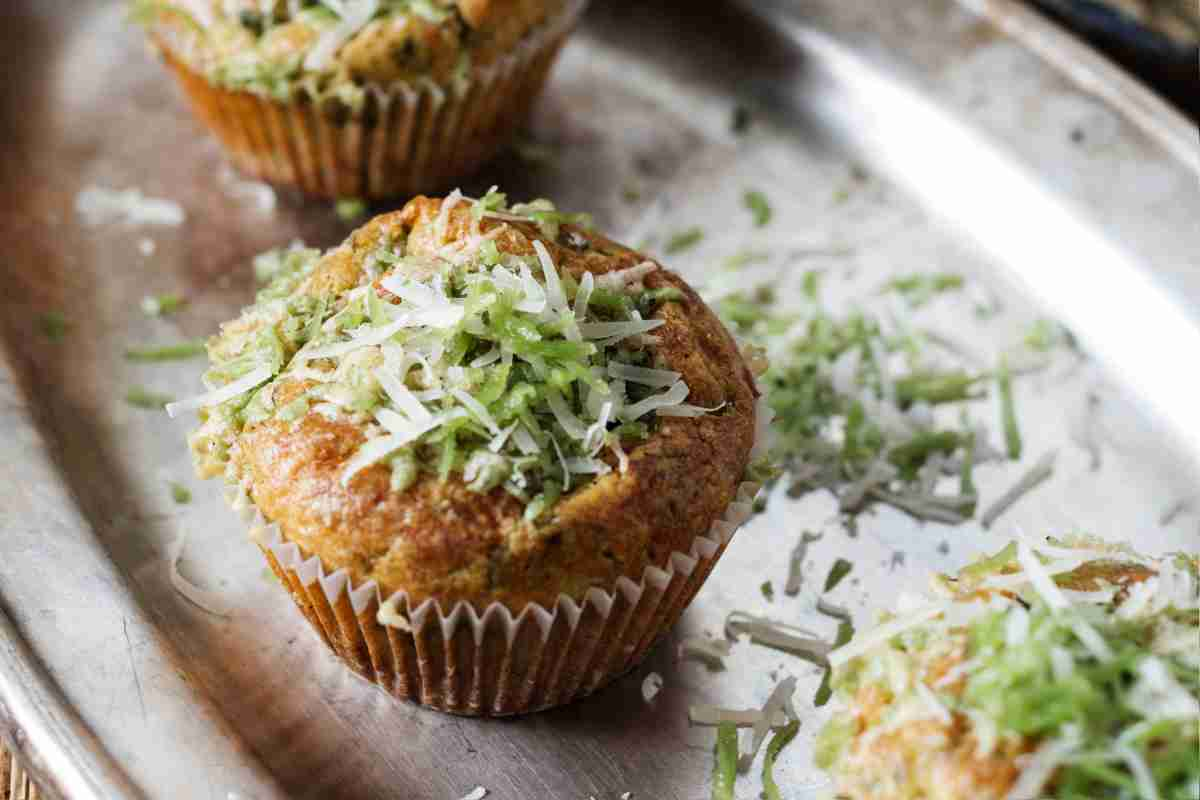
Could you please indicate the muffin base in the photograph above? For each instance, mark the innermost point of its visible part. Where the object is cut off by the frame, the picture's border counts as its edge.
(495, 663)
(406, 139)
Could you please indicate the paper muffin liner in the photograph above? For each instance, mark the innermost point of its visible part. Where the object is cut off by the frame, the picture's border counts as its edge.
(407, 137)
(495, 662)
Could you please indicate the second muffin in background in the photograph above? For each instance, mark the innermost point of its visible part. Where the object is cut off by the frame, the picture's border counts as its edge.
(492, 454)
(360, 98)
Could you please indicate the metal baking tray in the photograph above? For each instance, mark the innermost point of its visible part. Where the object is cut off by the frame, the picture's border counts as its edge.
(926, 134)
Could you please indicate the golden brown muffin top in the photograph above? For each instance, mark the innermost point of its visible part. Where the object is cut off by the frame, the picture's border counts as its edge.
(453, 534)
(274, 47)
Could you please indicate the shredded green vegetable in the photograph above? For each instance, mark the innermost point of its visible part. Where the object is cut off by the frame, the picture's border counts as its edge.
(180, 493)
(725, 758)
(933, 387)
(349, 209)
(812, 284)
(833, 740)
(53, 325)
(919, 289)
(145, 12)
(1008, 411)
(966, 475)
(1045, 335)
(161, 305)
(768, 591)
(140, 397)
(840, 569)
(168, 352)
(744, 259)
(781, 739)
(684, 240)
(845, 633)
(758, 206)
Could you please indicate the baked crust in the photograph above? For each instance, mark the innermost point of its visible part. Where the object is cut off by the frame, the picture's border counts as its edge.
(440, 540)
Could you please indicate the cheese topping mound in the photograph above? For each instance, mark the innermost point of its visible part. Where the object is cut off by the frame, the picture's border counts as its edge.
(501, 369)
(1052, 671)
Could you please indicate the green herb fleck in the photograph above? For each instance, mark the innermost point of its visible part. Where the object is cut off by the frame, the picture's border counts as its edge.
(833, 740)
(1045, 335)
(937, 387)
(53, 325)
(845, 633)
(725, 757)
(169, 352)
(139, 397)
(782, 738)
(919, 289)
(684, 240)
(912, 455)
(811, 284)
(840, 569)
(180, 493)
(1008, 411)
(966, 478)
(162, 304)
(744, 259)
(650, 299)
(294, 410)
(768, 591)
(756, 202)
(990, 565)
(349, 209)
(148, 12)
(405, 471)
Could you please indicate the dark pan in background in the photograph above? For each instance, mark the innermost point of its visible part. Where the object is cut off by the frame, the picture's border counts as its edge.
(1158, 40)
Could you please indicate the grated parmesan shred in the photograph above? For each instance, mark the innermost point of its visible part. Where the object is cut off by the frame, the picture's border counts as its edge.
(98, 205)
(202, 599)
(651, 686)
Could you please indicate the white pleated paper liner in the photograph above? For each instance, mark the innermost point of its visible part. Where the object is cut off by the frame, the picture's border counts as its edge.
(407, 138)
(494, 662)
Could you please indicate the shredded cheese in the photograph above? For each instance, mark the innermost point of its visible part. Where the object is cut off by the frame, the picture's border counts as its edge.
(229, 391)
(204, 600)
(354, 15)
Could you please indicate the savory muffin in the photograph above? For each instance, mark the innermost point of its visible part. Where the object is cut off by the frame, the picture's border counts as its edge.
(1054, 671)
(471, 403)
(359, 98)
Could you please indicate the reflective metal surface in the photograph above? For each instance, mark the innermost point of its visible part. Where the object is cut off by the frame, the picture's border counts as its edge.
(888, 136)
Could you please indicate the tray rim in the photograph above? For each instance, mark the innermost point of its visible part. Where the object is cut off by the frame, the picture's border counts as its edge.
(1096, 74)
(65, 758)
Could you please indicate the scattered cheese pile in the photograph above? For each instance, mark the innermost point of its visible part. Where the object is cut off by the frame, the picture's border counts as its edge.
(870, 406)
(502, 368)
(99, 205)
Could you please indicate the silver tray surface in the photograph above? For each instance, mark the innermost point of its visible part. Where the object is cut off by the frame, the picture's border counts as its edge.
(931, 134)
